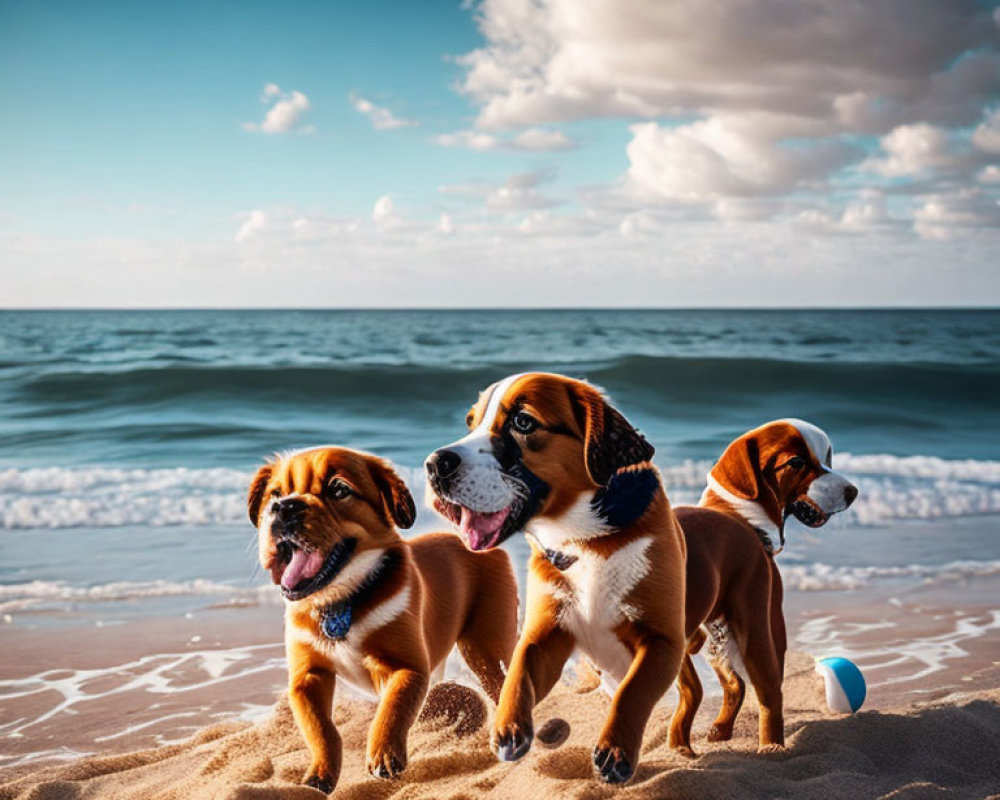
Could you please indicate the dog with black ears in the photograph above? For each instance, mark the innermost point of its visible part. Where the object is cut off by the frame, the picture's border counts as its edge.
(549, 455)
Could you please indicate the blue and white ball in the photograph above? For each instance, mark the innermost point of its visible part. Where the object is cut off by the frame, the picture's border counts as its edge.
(845, 685)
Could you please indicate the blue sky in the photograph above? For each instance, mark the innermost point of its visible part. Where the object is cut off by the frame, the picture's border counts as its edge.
(629, 153)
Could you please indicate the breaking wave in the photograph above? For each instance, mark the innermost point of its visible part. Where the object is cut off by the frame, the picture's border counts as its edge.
(892, 488)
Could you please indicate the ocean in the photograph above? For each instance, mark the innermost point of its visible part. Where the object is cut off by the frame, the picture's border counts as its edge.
(133, 434)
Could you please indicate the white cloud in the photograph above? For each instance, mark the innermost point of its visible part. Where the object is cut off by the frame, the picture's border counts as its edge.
(553, 60)
(863, 214)
(539, 139)
(749, 105)
(987, 134)
(722, 157)
(542, 139)
(285, 113)
(599, 256)
(384, 209)
(445, 225)
(912, 150)
(473, 140)
(520, 193)
(382, 119)
(948, 215)
(255, 221)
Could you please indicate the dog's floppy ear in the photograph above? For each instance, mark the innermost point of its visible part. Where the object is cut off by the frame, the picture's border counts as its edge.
(738, 470)
(256, 492)
(610, 441)
(396, 498)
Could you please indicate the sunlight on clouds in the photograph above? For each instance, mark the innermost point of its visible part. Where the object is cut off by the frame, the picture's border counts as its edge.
(803, 112)
(285, 113)
(722, 157)
(555, 60)
(912, 150)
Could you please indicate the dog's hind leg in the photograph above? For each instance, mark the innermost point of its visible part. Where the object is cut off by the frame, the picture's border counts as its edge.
(734, 691)
(764, 668)
(690, 691)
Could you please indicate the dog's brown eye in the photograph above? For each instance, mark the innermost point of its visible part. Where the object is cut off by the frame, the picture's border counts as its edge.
(338, 490)
(523, 422)
(796, 462)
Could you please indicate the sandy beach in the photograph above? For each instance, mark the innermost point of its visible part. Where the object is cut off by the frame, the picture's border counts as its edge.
(937, 748)
(206, 718)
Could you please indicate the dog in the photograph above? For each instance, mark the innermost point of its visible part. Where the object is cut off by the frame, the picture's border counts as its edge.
(734, 590)
(367, 607)
(549, 455)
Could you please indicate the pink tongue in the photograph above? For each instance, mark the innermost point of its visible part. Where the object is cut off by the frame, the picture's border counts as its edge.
(481, 529)
(302, 567)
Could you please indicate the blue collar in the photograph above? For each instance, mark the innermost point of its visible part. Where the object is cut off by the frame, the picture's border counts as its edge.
(335, 619)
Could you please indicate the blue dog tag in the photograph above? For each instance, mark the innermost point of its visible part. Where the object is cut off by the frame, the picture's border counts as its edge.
(337, 622)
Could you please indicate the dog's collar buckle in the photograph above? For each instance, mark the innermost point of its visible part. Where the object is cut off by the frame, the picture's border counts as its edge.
(561, 561)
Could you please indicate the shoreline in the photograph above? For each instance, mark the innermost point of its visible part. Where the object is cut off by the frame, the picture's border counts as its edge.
(93, 691)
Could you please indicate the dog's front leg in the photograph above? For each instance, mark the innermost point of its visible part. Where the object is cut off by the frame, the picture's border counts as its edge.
(654, 667)
(310, 694)
(535, 667)
(402, 695)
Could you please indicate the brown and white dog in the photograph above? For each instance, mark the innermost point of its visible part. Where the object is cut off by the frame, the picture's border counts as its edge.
(550, 456)
(734, 590)
(364, 605)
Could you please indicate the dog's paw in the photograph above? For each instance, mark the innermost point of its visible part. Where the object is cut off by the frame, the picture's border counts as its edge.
(685, 750)
(319, 779)
(720, 733)
(612, 765)
(772, 748)
(512, 742)
(386, 765)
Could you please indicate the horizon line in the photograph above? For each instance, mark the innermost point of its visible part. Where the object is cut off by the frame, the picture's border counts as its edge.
(76, 309)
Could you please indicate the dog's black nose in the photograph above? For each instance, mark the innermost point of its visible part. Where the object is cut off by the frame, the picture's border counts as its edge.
(442, 463)
(289, 508)
(850, 492)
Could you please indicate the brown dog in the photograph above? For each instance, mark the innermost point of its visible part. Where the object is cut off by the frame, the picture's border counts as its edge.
(362, 604)
(734, 590)
(548, 455)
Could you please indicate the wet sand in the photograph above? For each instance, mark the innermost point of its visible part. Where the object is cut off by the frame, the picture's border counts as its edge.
(87, 711)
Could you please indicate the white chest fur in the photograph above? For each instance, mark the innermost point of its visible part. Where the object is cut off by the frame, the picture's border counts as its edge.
(346, 655)
(595, 602)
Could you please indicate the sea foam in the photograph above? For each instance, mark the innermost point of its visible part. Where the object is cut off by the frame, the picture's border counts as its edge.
(891, 488)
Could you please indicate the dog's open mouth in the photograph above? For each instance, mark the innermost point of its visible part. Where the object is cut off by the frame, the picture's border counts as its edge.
(480, 529)
(301, 572)
(808, 514)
